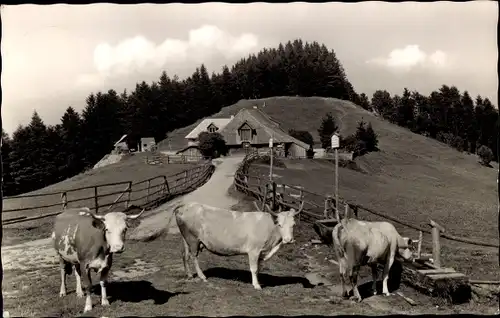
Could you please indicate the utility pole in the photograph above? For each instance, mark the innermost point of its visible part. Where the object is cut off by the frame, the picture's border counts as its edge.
(335, 142)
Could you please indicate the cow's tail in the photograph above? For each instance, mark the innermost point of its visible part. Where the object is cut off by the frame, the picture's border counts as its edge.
(336, 240)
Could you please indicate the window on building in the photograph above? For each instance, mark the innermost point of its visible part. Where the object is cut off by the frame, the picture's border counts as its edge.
(212, 129)
(246, 134)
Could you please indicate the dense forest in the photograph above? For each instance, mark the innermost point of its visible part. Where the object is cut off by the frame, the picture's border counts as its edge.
(37, 155)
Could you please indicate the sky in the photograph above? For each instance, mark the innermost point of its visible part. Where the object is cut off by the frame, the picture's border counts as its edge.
(54, 56)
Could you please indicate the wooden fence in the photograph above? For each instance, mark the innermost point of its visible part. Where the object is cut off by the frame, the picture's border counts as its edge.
(168, 159)
(318, 207)
(101, 198)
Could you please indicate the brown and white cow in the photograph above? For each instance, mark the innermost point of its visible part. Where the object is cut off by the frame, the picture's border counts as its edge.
(358, 243)
(225, 233)
(88, 241)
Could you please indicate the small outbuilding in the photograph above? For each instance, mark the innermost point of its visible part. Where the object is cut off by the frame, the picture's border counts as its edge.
(146, 144)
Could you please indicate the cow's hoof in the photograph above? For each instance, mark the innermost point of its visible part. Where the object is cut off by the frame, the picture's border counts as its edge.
(79, 294)
(87, 309)
(104, 302)
(62, 294)
(374, 293)
(387, 294)
(257, 287)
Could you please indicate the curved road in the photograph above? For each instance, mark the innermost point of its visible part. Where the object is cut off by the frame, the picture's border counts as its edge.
(40, 253)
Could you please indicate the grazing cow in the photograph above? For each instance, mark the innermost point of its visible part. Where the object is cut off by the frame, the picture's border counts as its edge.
(358, 243)
(88, 241)
(226, 233)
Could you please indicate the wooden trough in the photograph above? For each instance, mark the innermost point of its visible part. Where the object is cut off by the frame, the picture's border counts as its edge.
(424, 274)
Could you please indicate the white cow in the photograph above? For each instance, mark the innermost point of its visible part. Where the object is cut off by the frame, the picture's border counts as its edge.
(358, 243)
(226, 233)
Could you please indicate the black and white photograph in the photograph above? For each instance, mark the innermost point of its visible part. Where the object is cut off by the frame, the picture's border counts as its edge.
(220, 159)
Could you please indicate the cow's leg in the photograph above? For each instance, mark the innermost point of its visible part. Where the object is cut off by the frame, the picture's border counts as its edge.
(103, 281)
(387, 269)
(253, 260)
(354, 283)
(78, 276)
(62, 265)
(342, 271)
(185, 258)
(198, 269)
(87, 285)
(374, 277)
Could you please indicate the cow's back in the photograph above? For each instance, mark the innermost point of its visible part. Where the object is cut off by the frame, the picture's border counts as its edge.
(223, 231)
(364, 242)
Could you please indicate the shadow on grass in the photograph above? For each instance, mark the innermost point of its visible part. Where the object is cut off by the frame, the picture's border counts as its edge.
(265, 280)
(135, 292)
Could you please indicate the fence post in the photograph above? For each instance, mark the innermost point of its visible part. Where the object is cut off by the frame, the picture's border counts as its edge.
(274, 196)
(64, 200)
(300, 202)
(149, 186)
(128, 194)
(166, 184)
(327, 206)
(419, 248)
(436, 247)
(346, 212)
(96, 200)
(284, 191)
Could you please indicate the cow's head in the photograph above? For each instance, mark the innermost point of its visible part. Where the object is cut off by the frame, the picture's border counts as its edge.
(405, 246)
(285, 220)
(115, 227)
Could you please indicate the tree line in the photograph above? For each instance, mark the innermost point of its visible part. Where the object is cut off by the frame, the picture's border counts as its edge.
(37, 155)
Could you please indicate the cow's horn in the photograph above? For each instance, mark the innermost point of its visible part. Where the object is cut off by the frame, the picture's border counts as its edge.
(132, 217)
(95, 216)
(300, 208)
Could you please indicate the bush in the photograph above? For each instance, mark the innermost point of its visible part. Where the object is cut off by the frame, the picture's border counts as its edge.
(485, 154)
(212, 144)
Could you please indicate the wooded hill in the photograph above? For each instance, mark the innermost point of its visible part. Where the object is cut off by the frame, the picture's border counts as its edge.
(38, 155)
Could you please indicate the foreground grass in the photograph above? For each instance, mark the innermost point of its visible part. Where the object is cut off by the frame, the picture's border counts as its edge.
(131, 168)
(148, 280)
(461, 198)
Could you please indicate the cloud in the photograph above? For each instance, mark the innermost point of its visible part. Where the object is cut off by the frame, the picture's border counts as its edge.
(411, 57)
(138, 54)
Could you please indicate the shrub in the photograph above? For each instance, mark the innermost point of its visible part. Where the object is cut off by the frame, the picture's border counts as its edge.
(485, 154)
(212, 144)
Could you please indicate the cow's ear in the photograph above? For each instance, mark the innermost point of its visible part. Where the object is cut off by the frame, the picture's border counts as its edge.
(98, 224)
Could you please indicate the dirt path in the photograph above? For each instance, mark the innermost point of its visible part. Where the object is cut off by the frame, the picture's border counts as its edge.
(214, 193)
(39, 254)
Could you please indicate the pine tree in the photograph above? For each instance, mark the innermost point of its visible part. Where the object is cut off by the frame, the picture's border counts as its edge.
(327, 128)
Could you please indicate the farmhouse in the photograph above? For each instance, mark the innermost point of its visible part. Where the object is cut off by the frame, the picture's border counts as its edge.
(249, 129)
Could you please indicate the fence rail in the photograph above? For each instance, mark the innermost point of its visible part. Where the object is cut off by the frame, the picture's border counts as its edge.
(242, 184)
(146, 192)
